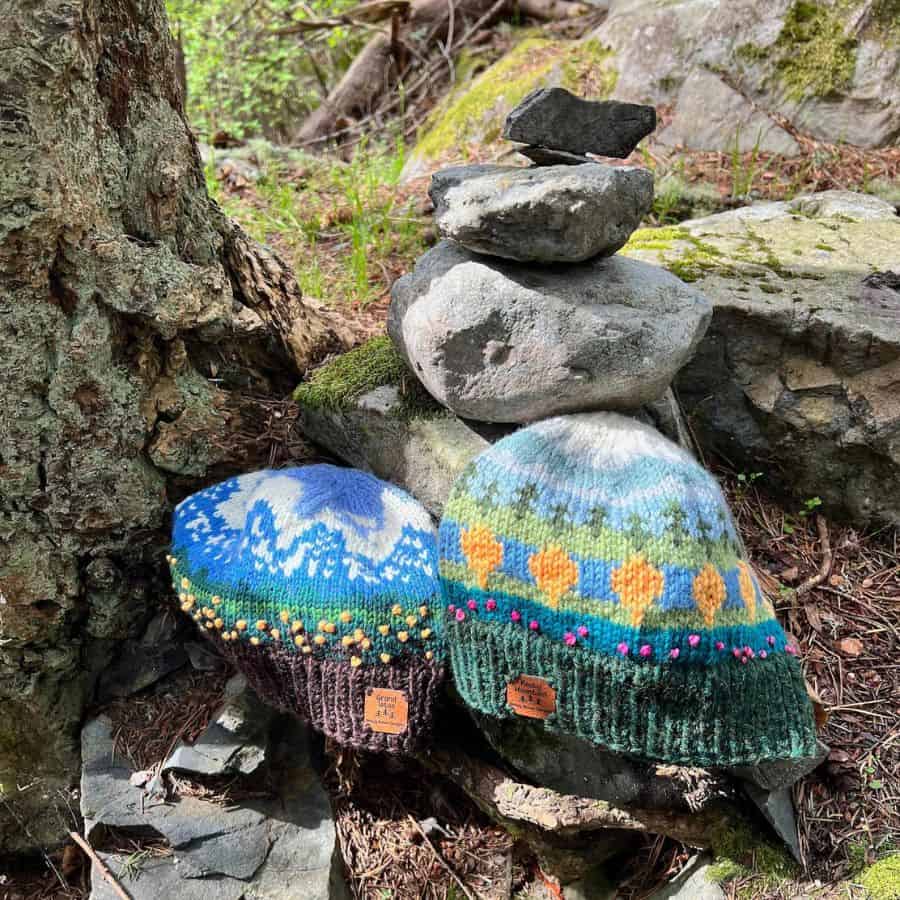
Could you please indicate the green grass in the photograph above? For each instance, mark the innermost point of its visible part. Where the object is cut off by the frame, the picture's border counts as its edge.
(346, 228)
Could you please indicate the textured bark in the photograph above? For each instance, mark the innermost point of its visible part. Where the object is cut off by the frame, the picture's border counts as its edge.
(137, 325)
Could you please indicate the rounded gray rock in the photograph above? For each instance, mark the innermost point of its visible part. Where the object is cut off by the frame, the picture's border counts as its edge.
(502, 342)
(545, 214)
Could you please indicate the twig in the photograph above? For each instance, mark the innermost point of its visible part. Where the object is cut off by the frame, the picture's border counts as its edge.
(825, 567)
(441, 859)
(104, 871)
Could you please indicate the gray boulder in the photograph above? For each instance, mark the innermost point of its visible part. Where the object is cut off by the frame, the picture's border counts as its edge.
(557, 119)
(693, 883)
(543, 214)
(501, 342)
(797, 375)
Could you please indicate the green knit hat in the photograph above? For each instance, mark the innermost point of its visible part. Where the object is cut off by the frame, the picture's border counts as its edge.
(595, 581)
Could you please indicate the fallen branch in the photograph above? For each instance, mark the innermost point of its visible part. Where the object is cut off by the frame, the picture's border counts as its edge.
(827, 559)
(101, 866)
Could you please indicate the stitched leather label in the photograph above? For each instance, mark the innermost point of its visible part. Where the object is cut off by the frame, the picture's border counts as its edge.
(386, 711)
(531, 696)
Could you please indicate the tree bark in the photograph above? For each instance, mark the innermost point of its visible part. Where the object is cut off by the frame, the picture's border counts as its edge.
(139, 328)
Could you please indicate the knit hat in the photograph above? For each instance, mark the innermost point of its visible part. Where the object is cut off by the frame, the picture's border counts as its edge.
(594, 580)
(320, 584)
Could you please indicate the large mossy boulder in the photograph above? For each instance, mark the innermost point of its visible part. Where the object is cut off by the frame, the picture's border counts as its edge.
(797, 375)
(831, 68)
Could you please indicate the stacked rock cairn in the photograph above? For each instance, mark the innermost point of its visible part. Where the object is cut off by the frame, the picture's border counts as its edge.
(523, 310)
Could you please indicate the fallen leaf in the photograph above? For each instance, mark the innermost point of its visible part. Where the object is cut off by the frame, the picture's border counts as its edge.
(791, 574)
(819, 710)
(850, 646)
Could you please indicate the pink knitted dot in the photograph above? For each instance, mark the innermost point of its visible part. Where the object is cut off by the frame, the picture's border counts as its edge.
(763, 654)
(516, 616)
(582, 631)
(737, 652)
(791, 649)
(744, 660)
(570, 639)
(720, 645)
(674, 653)
(748, 651)
(646, 650)
(533, 625)
(771, 640)
(472, 605)
(490, 604)
(694, 639)
(460, 615)
(623, 648)
(451, 608)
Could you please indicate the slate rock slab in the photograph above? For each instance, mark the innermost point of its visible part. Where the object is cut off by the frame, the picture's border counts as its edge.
(543, 156)
(693, 883)
(498, 341)
(557, 119)
(542, 214)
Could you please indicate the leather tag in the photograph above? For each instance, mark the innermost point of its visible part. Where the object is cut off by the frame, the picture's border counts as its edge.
(386, 711)
(531, 696)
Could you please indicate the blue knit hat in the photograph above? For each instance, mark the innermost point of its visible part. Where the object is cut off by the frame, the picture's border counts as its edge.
(320, 584)
(595, 581)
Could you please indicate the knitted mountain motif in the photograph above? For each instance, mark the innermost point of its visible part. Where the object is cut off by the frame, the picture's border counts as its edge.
(321, 585)
(594, 580)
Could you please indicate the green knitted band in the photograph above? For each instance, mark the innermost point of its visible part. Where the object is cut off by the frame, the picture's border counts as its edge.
(725, 715)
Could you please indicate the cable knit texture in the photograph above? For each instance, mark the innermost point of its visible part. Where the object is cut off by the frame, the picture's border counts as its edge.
(591, 552)
(321, 585)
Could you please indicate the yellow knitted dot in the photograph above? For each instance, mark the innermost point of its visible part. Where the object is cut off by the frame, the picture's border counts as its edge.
(423, 611)
(182, 596)
(411, 620)
(330, 627)
(218, 623)
(366, 644)
(358, 634)
(226, 636)
(402, 636)
(255, 641)
(429, 654)
(345, 616)
(347, 640)
(262, 625)
(216, 600)
(192, 598)
(209, 613)
(241, 625)
(296, 627)
(234, 635)
(321, 625)
(384, 629)
(307, 648)
(285, 616)
(319, 639)
(397, 609)
(276, 634)
(185, 583)
(426, 633)
(299, 640)
(185, 607)
(197, 616)
(355, 661)
(385, 657)
(209, 625)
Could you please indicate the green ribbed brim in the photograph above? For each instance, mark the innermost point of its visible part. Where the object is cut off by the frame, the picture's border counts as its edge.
(725, 715)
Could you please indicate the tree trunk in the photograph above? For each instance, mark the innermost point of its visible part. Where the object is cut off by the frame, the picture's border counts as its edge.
(139, 329)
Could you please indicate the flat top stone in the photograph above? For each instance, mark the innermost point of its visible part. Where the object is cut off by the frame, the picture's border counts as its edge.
(541, 214)
(558, 120)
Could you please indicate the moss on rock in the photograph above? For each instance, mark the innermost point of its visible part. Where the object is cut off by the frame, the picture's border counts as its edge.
(882, 879)
(340, 382)
(739, 851)
(476, 111)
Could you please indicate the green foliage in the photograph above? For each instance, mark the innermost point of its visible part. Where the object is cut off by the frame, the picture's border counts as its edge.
(245, 78)
(338, 223)
(882, 880)
(739, 852)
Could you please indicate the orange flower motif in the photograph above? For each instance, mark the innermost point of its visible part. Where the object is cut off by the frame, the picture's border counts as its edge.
(748, 592)
(638, 584)
(482, 551)
(554, 572)
(709, 593)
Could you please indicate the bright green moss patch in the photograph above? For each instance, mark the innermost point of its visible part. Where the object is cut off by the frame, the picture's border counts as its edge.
(882, 879)
(656, 238)
(690, 262)
(337, 384)
(740, 852)
(816, 56)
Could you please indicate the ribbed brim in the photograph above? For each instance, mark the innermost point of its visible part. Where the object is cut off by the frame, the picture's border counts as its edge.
(725, 715)
(331, 694)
